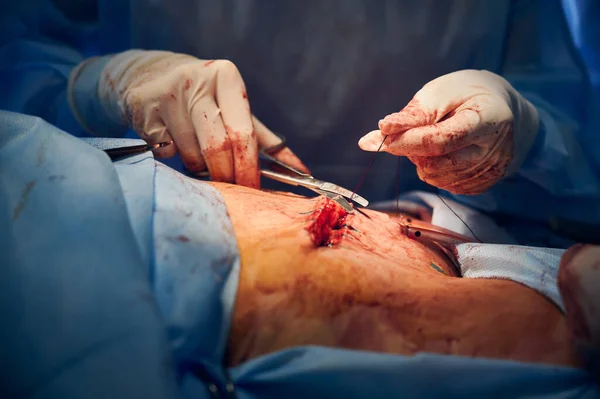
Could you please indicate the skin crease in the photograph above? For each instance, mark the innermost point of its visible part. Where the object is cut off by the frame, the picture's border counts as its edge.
(374, 290)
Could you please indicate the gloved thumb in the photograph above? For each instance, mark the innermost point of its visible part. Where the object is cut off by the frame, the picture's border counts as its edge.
(372, 141)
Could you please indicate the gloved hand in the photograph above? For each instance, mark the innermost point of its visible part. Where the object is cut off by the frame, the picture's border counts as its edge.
(464, 131)
(201, 105)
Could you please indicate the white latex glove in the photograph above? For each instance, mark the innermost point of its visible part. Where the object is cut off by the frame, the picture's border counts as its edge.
(464, 131)
(201, 105)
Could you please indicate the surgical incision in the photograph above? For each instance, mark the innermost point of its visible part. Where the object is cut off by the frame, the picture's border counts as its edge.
(329, 226)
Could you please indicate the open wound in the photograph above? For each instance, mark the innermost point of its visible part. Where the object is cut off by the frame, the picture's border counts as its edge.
(329, 226)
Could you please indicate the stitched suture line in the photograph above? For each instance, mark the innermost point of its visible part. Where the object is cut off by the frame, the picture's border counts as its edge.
(362, 178)
(459, 218)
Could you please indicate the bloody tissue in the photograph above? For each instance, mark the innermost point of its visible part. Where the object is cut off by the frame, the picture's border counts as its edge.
(330, 225)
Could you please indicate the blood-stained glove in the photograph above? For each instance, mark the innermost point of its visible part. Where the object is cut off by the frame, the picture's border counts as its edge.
(201, 105)
(464, 131)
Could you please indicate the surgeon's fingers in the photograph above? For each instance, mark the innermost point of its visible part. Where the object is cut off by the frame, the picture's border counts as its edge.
(266, 138)
(232, 100)
(483, 119)
(415, 114)
(470, 170)
(463, 160)
(452, 170)
(372, 141)
(449, 135)
(434, 102)
(179, 124)
(214, 142)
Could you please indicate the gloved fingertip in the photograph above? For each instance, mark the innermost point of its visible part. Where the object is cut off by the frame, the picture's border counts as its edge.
(222, 179)
(371, 141)
(257, 183)
(249, 178)
(250, 183)
(165, 152)
(399, 122)
(194, 166)
(385, 127)
(388, 127)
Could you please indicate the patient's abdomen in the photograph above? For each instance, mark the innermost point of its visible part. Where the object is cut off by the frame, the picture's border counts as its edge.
(372, 290)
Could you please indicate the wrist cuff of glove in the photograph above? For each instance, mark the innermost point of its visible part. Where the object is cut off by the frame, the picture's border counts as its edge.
(84, 102)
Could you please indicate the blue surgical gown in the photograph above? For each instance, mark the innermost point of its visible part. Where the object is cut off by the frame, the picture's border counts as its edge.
(324, 73)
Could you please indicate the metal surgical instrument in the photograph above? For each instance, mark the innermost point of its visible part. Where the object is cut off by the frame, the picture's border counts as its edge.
(330, 190)
(120, 152)
(434, 237)
(422, 231)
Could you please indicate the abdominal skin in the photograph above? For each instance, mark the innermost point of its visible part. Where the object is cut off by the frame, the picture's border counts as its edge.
(371, 288)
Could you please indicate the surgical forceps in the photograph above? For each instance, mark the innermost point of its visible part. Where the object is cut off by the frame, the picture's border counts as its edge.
(435, 238)
(327, 189)
(120, 152)
(298, 178)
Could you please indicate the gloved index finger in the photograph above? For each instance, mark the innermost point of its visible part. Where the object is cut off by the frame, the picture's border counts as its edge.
(459, 131)
(413, 115)
(432, 103)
